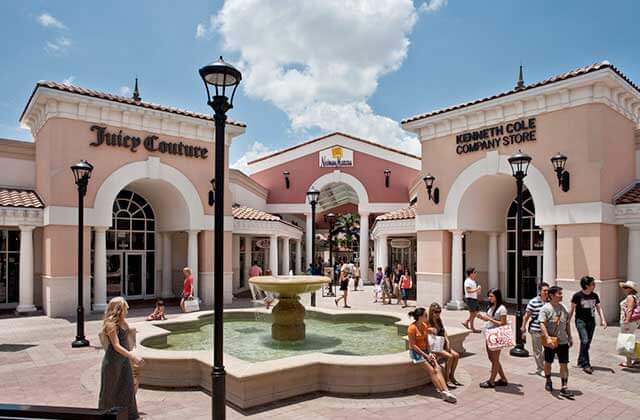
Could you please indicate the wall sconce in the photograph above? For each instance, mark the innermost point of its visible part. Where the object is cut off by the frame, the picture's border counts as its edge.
(387, 175)
(433, 194)
(212, 193)
(287, 183)
(558, 161)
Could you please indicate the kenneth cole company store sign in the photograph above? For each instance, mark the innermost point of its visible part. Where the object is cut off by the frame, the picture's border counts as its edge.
(151, 143)
(491, 138)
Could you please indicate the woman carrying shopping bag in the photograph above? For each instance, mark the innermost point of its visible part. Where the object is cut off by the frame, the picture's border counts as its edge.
(629, 321)
(496, 317)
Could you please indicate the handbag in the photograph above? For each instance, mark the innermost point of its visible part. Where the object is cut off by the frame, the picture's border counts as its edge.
(436, 343)
(192, 305)
(626, 344)
(499, 337)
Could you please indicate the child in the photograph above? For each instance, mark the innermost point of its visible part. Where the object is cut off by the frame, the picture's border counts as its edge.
(158, 312)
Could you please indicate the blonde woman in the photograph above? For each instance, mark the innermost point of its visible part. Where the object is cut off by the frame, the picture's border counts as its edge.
(187, 287)
(116, 383)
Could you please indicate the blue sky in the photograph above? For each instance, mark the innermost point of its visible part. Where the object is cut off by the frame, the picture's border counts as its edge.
(313, 68)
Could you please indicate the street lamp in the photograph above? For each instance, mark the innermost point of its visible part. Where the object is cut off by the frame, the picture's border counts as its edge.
(428, 182)
(331, 219)
(312, 197)
(519, 165)
(81, 173)
(221, 76)
(564, 179)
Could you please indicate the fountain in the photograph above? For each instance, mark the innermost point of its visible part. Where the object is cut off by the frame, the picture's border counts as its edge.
(288, 314)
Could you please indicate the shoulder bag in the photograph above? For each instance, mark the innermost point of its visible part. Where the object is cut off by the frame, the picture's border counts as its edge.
(552, 341)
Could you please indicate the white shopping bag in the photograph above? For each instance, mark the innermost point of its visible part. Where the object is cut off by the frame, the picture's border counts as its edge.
(436, 343)
(192, 305)
(626, 343)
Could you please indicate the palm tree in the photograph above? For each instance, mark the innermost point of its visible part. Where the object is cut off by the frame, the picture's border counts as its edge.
(349, 226)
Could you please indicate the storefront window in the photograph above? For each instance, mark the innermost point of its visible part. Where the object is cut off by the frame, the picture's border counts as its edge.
(9, 266)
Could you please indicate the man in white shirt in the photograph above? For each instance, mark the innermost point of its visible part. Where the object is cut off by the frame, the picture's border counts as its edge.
(471, 290)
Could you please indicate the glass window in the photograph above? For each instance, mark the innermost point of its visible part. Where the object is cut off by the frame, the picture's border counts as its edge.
(137, 240)
(111, 239)
(13, 274)
(14, 240)
(151, 271)
(3, 240)
(122, 240)
(148, 211)
(3, 277)
(123, 224)
(137, 224)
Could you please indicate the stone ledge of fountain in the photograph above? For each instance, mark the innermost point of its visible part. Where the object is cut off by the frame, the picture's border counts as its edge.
(251, 384)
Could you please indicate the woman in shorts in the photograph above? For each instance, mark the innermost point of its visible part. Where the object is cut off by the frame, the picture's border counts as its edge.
(450, 356)
(344, 286)
(420, 353)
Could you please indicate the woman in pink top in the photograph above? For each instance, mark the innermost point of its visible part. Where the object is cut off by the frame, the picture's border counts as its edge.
(405, 286)
(187, 287)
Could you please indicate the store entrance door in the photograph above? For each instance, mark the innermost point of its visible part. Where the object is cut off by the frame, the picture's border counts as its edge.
(126, 275)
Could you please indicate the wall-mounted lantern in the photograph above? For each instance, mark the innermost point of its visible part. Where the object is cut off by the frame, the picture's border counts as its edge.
(212, 193)
(433, 194)
(287, 183)
(387, 176)
(564, 178)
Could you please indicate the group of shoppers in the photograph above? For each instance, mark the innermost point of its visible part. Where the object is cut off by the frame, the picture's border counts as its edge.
(396, 283)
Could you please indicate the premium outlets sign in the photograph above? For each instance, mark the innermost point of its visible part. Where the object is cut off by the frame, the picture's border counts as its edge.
(151, 143)
(490, 138)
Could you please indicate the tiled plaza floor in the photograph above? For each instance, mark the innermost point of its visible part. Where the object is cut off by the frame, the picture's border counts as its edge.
(38, 366)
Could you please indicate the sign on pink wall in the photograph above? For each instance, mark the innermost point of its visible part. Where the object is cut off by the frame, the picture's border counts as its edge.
(336, 157)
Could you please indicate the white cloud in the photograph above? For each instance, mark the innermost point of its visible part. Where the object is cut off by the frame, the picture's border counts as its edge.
(205, 30)
(69, 80)
(49, 21)
(433, 5)
(59, 46)
(125, 91)
(201, 31)
(256, 150)
(323, 61)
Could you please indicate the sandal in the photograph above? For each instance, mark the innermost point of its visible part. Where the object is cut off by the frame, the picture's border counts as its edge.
(501, 382)
(487, 384)
(455, 382)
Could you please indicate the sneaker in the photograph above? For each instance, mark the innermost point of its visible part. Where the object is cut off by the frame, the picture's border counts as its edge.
(449, 397)
(588, 370)
(564, 392)
(548, 386)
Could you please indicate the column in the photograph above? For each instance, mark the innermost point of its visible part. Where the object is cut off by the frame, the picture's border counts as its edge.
(26, 270)
(376, 254)
(248, 259)
(633, 253)
(549, 255)
(384, 252)
(273, 254)
(298, 256)
(235, 265)
(364, 247)
(457, 279)
(100, 269)
(167, 274)
(286, 255)
(493, 261)
(192, 258)
(308, 241)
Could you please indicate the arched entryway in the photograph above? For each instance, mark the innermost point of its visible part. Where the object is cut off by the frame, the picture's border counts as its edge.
(131, 248)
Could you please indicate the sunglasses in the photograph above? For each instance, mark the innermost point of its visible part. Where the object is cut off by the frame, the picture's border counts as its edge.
(437, 311)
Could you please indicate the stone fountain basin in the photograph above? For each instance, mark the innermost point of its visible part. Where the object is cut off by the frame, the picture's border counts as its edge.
(251, 384)
(289, 285)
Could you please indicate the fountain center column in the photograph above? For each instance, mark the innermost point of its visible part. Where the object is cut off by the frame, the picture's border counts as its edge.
(288, 319)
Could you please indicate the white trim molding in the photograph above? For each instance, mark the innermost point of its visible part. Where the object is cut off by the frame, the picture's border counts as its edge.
(627, 213)
(17, 216)
(266, 228)
(394, 227)
(48, 103)
(602, 86)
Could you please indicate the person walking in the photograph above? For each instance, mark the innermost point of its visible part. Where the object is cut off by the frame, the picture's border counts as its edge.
(496, 316)
(531, 317)
(405, 287)
(378, 284)
(630, 317)
(448, 353)
(584, 304)
(471, 290)
(420, 353)
(187, 287)
(344, 286)
(556, 333)
(117, 388)
(397, 273)
(387, 286)
(356, 277)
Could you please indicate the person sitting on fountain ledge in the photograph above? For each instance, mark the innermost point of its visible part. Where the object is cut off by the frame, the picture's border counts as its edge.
(420, 353)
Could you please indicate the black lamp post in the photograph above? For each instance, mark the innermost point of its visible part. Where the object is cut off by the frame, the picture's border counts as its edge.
(331, 219)
(519, 165)
(81, 173)
(312, 197)
(222, 76)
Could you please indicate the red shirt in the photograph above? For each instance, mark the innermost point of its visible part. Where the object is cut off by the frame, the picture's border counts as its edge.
(187, 285)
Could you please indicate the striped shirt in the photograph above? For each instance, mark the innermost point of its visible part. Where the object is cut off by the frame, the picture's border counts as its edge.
(533, 308)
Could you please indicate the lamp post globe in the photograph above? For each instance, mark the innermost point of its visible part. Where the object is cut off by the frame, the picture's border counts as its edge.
(312, 196)
(81, 174)
(221, 77)
(519, 163)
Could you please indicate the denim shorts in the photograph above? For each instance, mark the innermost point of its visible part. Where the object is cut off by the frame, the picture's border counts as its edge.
(416, 357)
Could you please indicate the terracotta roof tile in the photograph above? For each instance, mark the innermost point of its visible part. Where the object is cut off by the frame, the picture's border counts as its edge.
(247, 213)
(564, 76)
(15, 197)
(123, 100)
(631, 196)
(401, 214)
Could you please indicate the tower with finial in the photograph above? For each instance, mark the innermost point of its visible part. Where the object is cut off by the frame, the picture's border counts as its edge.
(136, 92)
(520, 84)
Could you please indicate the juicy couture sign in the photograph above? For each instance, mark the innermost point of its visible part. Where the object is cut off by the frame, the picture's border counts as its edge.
(515, 132)
(151, 143)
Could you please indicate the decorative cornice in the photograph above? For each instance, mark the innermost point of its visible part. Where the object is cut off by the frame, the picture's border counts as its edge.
(628, 213)
(47, 103)
(604, 87)
(266, 228)
(394, 227)
(16, 216)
